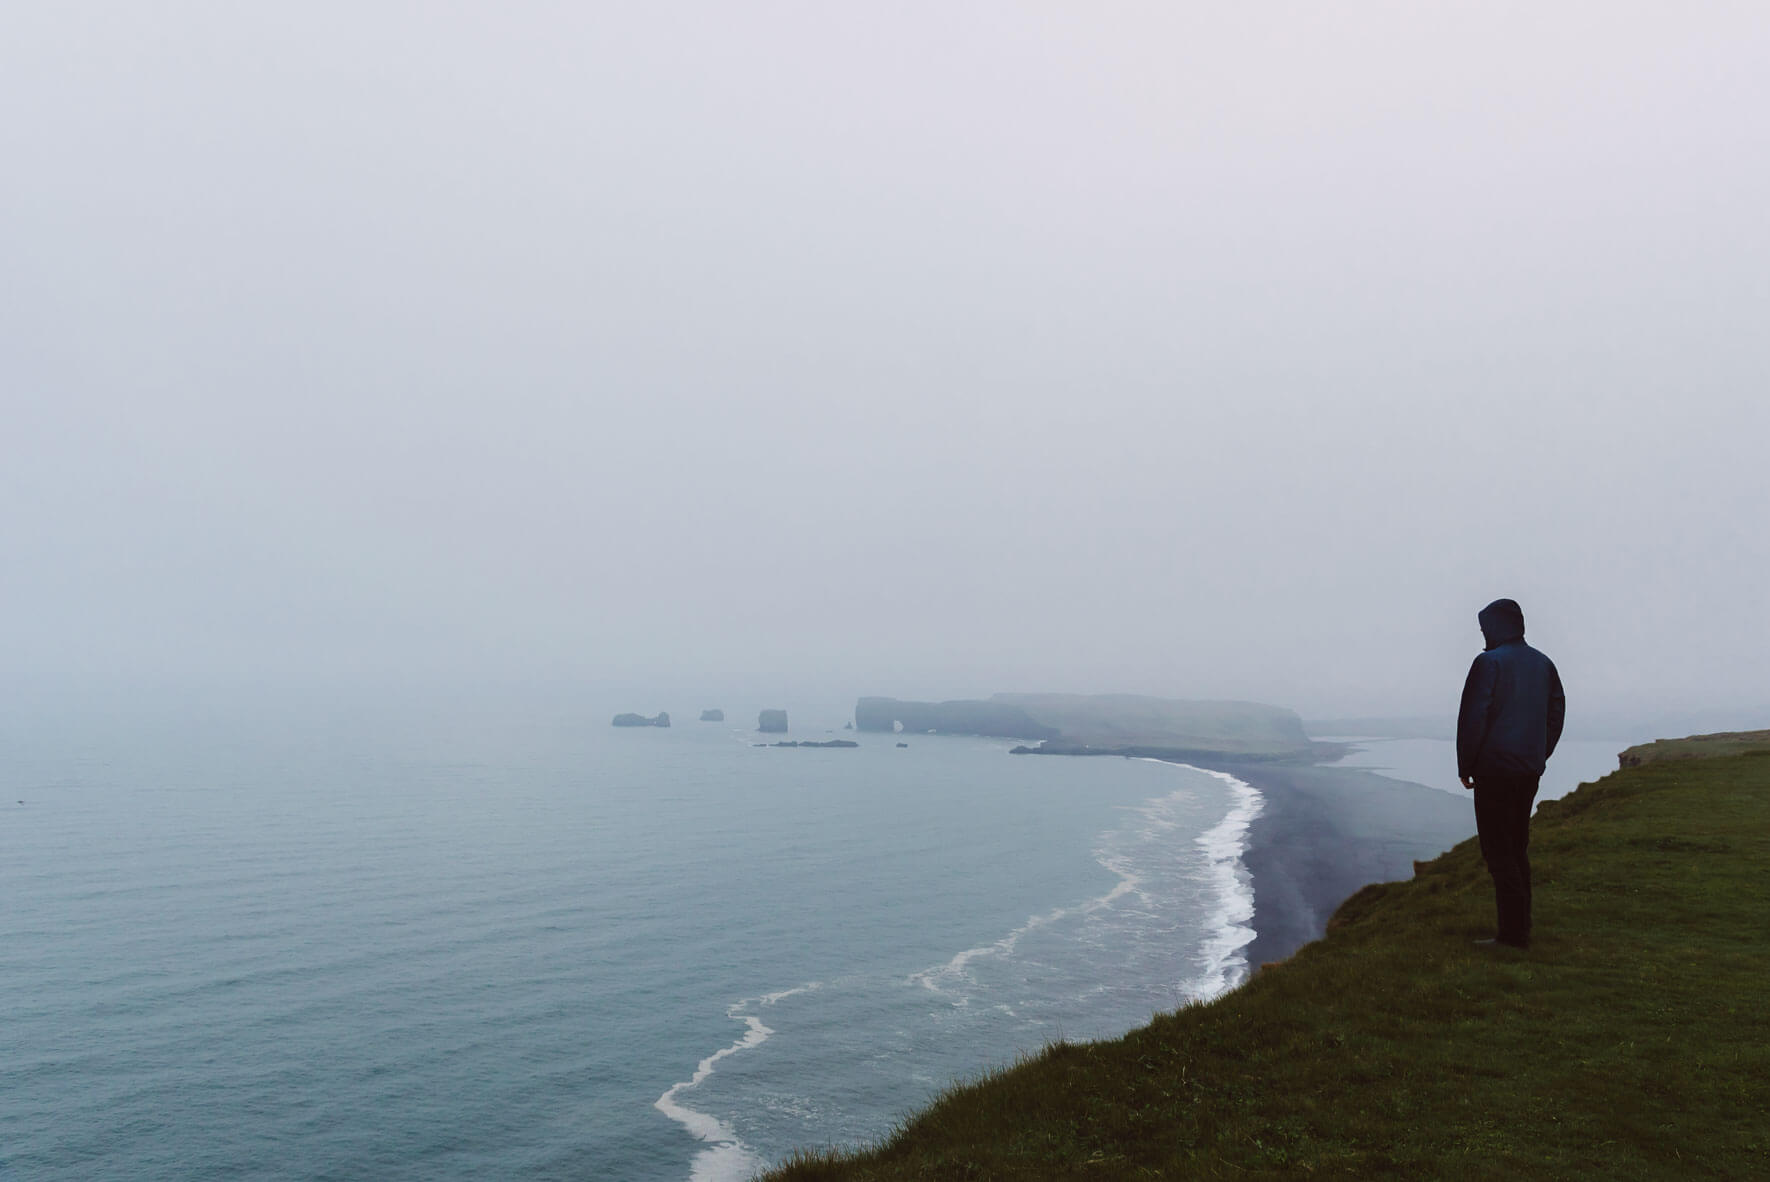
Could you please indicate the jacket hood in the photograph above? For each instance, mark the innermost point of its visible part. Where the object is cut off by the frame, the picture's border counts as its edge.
(1502, 622)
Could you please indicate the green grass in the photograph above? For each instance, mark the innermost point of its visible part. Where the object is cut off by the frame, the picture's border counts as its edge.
(1631, 1041)
(1697, 747)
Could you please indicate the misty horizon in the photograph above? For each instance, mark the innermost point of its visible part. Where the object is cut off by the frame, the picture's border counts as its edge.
(933, 353)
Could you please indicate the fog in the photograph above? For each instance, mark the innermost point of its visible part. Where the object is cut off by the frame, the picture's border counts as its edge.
(920, 349)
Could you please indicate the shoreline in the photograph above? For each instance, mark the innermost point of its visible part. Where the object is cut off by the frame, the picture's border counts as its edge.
(1350, 1052)
(1323, 834)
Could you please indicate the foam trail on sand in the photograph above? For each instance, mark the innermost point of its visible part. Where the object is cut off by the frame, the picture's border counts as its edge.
(727, 1159)
(1226, 965)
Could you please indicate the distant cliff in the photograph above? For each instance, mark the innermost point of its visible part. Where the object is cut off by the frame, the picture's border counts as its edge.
(952, 718)
(1102, 723)
(662, 719)
(1695, 747)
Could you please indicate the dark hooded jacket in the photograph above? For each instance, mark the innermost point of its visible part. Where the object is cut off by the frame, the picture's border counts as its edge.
(1513, 706)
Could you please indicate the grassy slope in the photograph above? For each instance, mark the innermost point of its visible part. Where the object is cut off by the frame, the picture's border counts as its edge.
(1697, 747)
(1632, 1041)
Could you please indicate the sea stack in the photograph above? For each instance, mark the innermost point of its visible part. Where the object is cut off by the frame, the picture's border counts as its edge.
(641, 720)
(712, 716)
(772, 722)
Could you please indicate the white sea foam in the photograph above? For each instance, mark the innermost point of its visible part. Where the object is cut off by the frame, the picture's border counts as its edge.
(952, 977)
(727, 1158)
(1226, 962)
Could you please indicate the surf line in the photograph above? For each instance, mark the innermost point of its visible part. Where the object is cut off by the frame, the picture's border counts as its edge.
(726, 1156)
(1224, 845)
(953, 972)
(951, 977)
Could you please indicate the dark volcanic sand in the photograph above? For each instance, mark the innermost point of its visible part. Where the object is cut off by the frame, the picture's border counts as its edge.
(1324, 833)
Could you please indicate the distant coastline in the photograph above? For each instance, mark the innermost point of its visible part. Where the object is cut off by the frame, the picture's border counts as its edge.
(1104, 724)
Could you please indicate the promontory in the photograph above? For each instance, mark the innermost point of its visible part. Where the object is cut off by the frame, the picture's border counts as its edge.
(1103, 724)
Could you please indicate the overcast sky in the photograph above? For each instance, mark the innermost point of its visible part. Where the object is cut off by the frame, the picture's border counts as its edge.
(929, 349)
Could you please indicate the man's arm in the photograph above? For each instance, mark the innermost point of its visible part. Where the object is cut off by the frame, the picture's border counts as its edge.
(1557, 710)
(1472, 716)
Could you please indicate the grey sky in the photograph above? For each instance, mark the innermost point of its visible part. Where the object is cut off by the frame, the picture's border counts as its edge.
(926, 349)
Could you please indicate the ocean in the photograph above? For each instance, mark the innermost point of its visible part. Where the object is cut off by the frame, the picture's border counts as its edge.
(453, 940)
(1432, 763)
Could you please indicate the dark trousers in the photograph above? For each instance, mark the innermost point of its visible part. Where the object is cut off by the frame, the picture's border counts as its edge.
(1502, 818)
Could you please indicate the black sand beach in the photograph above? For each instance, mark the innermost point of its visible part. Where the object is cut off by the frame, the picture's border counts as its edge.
(1324, 833)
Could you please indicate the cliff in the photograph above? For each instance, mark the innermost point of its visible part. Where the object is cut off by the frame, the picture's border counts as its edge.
(1631, 1041)
(1109, 724)
(963, 717)
(1696, 747)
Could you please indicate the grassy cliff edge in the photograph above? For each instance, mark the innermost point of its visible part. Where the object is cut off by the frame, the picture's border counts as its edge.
(1633, 1040)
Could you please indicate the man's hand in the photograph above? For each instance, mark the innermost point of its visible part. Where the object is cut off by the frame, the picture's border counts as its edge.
(1469, 783)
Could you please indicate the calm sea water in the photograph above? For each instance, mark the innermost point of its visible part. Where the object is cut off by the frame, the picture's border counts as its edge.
(459, 941)
(1433, 762)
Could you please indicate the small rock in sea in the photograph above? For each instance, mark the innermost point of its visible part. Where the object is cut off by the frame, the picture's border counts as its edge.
(772, 722)
(712, 716)
(903, 744)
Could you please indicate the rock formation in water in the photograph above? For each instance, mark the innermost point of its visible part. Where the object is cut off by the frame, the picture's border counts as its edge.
(641, 720)
(772, 722)
(712, 716)
(809, 743)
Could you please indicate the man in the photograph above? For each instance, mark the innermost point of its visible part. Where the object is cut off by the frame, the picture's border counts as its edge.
(1510, 721)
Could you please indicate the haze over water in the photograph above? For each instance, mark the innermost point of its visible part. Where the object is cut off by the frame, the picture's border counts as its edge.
(374, 940)
(790, 351)
(1221, 352)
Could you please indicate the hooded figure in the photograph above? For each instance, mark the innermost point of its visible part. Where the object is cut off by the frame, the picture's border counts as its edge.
(1512, 711)
(1513, 706)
